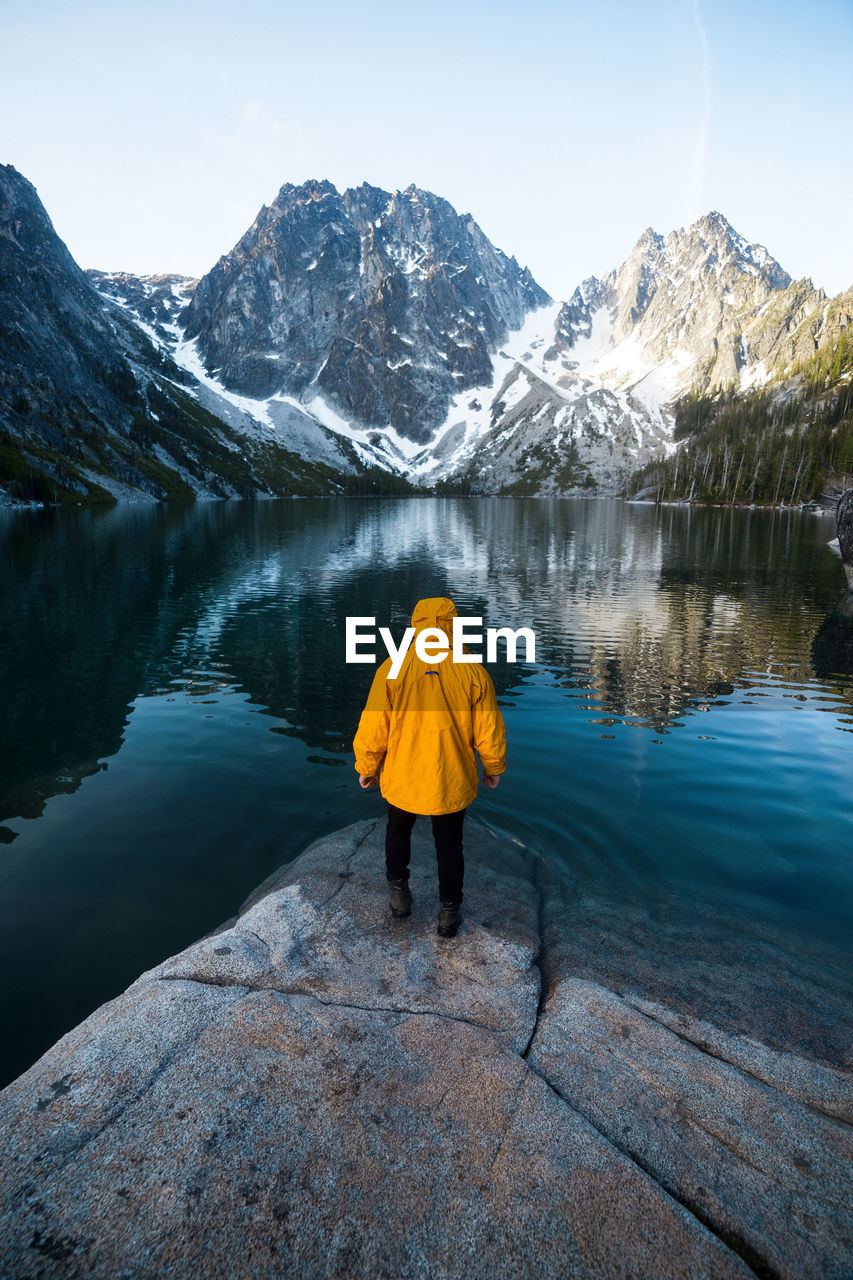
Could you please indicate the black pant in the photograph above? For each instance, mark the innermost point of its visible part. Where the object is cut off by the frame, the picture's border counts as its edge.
(447, 833)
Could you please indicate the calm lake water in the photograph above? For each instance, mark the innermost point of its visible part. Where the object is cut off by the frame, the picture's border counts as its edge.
(178, 716)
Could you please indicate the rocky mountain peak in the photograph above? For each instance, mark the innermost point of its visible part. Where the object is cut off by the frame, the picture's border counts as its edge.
(712, 243)
(377, 306)
(27, 229)
(681, 300)
(369, 326)
(374, 201)
(716, 223)
(713, 234)
(649, 242)
(700, 307)
(312, 189)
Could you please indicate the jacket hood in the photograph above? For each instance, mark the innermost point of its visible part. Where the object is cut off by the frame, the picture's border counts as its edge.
(435, 611)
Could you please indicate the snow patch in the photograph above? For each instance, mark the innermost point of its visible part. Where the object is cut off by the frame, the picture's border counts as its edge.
(592, 348)
(754, 376)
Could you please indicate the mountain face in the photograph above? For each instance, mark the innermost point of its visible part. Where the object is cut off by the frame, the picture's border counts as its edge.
(679, 300)
(369, 334)
(384, 305)
(62, 371)
(699, 308)
(90, 409)
(588, 397)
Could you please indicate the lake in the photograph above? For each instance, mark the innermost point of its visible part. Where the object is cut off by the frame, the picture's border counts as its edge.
(178, 715)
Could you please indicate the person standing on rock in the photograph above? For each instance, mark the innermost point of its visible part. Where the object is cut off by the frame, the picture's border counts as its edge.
(418, 737)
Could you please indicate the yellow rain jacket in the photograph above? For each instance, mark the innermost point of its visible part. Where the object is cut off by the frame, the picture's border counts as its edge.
(423, 727)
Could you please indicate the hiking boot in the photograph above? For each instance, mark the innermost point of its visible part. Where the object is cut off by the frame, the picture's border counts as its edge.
(449, 919)
(401, 898)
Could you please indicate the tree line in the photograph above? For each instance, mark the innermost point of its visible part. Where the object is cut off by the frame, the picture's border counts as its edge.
(779, 444)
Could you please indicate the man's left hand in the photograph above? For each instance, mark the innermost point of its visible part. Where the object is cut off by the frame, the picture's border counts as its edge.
(367, 784)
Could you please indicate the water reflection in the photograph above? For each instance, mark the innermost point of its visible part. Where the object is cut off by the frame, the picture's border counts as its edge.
(648, 613)
(832, 648)
(178, 715)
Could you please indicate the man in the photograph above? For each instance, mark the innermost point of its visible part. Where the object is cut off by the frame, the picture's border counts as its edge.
(423, 729)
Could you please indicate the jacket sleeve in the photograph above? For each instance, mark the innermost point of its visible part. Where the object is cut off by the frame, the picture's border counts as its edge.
(371, 738)
(489, 730)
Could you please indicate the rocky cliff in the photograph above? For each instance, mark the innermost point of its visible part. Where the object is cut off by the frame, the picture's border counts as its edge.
(90, 408)
(844, 521)
(589, 394)
(698, 309)
(384, 304)
(563, 1090)
(675, 310)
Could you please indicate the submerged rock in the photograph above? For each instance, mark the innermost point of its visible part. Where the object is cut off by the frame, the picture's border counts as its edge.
(844, 520)
(832, 647)
(322, 1090)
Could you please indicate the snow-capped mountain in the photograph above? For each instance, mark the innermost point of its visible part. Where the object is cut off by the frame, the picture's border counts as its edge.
(386, 327)
(345, 324)
(380, 305)
(90, 410)
(583, 395)
(375, 328)
(155, 304)
(673, 315)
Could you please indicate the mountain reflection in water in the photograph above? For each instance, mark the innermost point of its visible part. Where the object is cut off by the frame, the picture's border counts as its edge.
(681, 723)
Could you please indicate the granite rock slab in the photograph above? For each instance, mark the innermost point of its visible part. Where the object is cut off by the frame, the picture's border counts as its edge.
(320, 1089)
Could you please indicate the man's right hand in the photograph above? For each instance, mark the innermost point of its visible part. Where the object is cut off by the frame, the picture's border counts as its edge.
(367, 784)
(491, 779)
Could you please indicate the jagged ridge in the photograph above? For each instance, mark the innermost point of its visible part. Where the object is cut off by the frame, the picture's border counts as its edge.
(370, 329)
(385, 304)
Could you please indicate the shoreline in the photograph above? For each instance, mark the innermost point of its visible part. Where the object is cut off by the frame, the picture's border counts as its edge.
(804, 508)
(560, 1090)
(15, 507)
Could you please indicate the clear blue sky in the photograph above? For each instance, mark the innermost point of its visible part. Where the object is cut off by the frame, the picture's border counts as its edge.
(154, 132)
